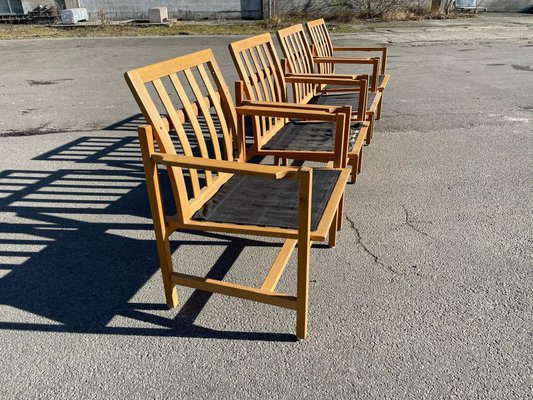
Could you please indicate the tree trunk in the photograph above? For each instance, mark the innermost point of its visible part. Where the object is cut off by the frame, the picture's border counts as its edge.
(436, 5)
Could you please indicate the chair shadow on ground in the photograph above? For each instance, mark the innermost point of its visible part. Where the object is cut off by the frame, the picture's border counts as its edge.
(63, 260)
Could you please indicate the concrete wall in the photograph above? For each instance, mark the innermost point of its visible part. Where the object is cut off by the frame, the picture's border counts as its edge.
(180, 9)
(511, 6)
(507, 5)
(331, 7)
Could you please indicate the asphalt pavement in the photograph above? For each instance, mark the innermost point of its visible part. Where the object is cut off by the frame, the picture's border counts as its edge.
(428, 293)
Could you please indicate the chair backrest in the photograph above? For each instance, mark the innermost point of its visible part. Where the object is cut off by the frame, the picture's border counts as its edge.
(323, 47)
(188, 98)
(262, 79)
(299, 57)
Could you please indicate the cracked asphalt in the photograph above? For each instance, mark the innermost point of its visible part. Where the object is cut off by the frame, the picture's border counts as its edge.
(428, 293)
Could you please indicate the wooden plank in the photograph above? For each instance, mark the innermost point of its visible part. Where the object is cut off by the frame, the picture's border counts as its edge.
(156, 205)
(331, 208)
(208, 164)
(304, 246)
(274, 275)
(286, 113)
(235, 290)
(165, 68)
(235, 228)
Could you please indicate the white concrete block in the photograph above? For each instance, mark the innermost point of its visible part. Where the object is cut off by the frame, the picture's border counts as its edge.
(74, 15)
(157, 15)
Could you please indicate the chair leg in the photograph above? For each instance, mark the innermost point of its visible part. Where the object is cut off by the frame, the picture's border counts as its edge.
(340, 212)
(380, 105)
(276, 160)
(302, 293)
(332, 237)
(354, 162)
(156, 206)
(165, 260)
(304, 248)
(360, 161)
(370, 134)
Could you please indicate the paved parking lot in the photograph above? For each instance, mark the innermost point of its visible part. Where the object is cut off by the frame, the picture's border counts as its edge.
(428, 293)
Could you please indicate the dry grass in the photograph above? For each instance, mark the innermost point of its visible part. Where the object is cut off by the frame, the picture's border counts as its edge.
(194, 28)
(420, 14)
(39, 31)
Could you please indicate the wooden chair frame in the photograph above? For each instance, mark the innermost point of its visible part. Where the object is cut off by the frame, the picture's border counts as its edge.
(262, 82)
(225, 162)
(324, 55)
(299, 60)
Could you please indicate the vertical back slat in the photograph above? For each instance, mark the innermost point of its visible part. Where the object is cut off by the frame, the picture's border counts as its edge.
(304, 51)
(302, 55)
(328, 46)
(269, 70)
(262, 85)
(218, 109)
(187, 106)
(182, 136)
(228, 107)
(204, 109)
(296, 66)
(247, 56)
(277, 76)
(297, 61)
(259, 71)
(261, 74)
(251, 75)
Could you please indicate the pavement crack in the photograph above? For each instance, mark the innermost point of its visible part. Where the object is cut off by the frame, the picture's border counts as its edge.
(367, 250)
(409, 222)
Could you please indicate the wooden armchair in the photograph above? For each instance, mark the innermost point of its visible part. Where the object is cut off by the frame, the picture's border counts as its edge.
(324, 55)
(263, 82)
(214, 189)
(299, 59)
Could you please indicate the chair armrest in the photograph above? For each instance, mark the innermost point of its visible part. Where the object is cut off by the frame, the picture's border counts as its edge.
(360, 49)
(374, 61)
(279, 110)
(323, 79)
(296, 106)
(383, 51)
(242, 168)
(346, 60)
(360, 80)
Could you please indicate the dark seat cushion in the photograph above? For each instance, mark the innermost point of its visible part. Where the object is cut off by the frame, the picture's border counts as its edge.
(380, 81)
(251, 200)
(309, 136)
(342, 99)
